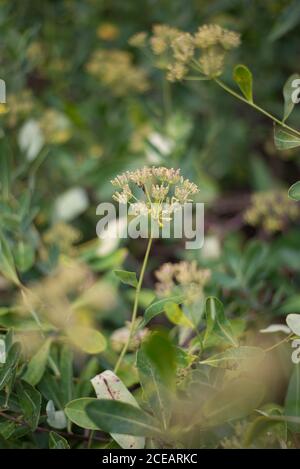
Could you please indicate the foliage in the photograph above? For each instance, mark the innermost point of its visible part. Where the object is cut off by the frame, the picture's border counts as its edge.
(129, 343)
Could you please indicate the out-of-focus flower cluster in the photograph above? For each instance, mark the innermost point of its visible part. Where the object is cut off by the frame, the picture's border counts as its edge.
(62, 235)
(18, 106)
(164, 191)
(120, 337)
(63, 298)
(115, 69)
(178, 52)
(182, 277)
(272, 211)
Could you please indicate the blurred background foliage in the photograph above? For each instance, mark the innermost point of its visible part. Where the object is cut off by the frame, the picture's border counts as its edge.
(82, 106)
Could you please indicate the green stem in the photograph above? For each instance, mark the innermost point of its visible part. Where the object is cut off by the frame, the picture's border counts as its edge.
(259, 109)
(135, 306)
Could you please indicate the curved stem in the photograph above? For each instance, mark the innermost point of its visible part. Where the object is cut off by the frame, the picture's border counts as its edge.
(286, 339)
(135, 306)
(259, 109)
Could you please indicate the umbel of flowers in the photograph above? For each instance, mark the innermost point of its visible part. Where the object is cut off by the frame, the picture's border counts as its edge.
(179, 53)
(156, 191)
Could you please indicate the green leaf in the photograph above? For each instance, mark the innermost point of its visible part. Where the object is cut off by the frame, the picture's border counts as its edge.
(293, 321)
(243, 77)
(292, 399)
(216, 321)
(30, 403)
(158, 307)
(155, 393)
(294, 191)
(126, 277)
(284, 140)
(235, 358)
(120, 417)
(5, 170)
(37, 365)
(7, 264)
(236, 400)
(76, 412)
(7, 371)
(57, 441)
(24, 256)
(288, 91)
(87, 339)
(262, 425)
(162, 353)
(286, 21)
(176, 315)
(66, 373)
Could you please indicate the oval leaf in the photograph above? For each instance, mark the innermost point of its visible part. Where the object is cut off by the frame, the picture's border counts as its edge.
(289, 94)
(236, 400)
(120, 417)
(76, 412)
(158, 307)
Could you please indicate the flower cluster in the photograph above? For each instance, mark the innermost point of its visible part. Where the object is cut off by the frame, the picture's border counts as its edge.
(115, 69)
(183, 276)
(163, 191)
(271, 210)
(62, 235)
(178, 52)
(18, 106)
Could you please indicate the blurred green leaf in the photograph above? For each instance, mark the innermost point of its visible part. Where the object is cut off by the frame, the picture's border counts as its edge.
(155, 392)
(7, 264)
(286, 21)
(37, 365)
(158, 307)
(128, 278)
(76, 412)
(216, 321)
(292, 399)
(87, 339)
(236, 400)
(235, 358)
